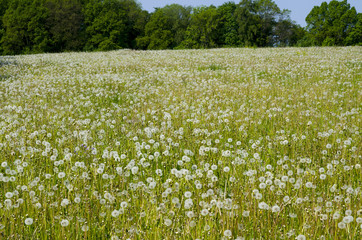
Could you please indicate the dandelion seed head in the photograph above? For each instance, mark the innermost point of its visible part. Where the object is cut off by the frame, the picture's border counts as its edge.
(28, 221)
(227, 233)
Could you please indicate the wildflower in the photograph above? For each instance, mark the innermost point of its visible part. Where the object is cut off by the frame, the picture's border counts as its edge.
(192, 223)
(115, 213)
(61, 175)
(9, 195)
(204, 212)
(227, 233)
(28, 221)
(188, 194)
(263, 205)
(65, 202)
(336, 215)
(275, 208)
(246, 213)
(341, 225)
(300, 237)
(190, 214)
(124, 204)
(286, 199)
(168, 222)
(348, 219)
(64, 223)
(85, 228)
(159, 172)
(207, 227)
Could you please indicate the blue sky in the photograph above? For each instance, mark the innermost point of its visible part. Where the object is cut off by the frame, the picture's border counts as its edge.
(299, 8)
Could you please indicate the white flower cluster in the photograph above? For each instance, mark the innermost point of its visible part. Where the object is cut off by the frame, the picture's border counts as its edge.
(163, 145)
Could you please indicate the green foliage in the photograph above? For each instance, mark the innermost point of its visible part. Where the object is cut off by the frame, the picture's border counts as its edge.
(166, 28)
(268, 12)
(113, 24)
(202, 31)
(105, 25)
(158, 32)
(179, 17)
(328, 41)
(249, 23)
(102, 25)
(286, 32)
(24, 28)
(228, 27)
(355, 35)
(330, 23)
(107, 45)
(261, 23)
(65, 24)
(3, 7)
(135, 21)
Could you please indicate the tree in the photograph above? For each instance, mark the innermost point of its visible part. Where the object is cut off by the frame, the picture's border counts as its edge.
(202, 31)
(3, 7)
(249, 23)
(228, 27)
(135, 21)
(286, 32)
(330, 23)
(180, 18)
(105, 25)
(355, 35)
(166, 27)
(158, 33)
(65, 23)
(113, 24)
(258, 20)
(24, 28)
(268, 11)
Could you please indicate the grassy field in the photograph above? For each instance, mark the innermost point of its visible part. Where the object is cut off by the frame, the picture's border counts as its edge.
(196, 144)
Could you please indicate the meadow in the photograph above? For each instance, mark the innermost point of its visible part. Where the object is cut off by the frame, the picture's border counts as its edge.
(189, 144)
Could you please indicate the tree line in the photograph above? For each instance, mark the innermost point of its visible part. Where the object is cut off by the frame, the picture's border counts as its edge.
(97, 25)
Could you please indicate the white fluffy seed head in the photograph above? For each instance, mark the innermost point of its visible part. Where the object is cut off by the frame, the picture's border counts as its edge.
(204, 212)
(9, 195)
(300, 237)
(168, 222)
(275, 208)
(61, 175)
(341, 225)
(28, 221)
(246, 213)
(188, 194)
(227, 233)
(115, 213)
(85, 228)
(124, 204)
(64, 223)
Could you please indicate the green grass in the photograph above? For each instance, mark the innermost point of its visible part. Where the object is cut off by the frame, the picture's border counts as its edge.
(85, 133)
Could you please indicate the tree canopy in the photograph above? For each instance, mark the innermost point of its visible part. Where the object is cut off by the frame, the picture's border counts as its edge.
(92, 25)
(333, 23)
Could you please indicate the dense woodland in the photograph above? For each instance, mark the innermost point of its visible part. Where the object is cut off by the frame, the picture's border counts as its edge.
(97, 25)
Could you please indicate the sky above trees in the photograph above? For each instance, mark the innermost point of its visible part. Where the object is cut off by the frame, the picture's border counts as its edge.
(300, 9)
